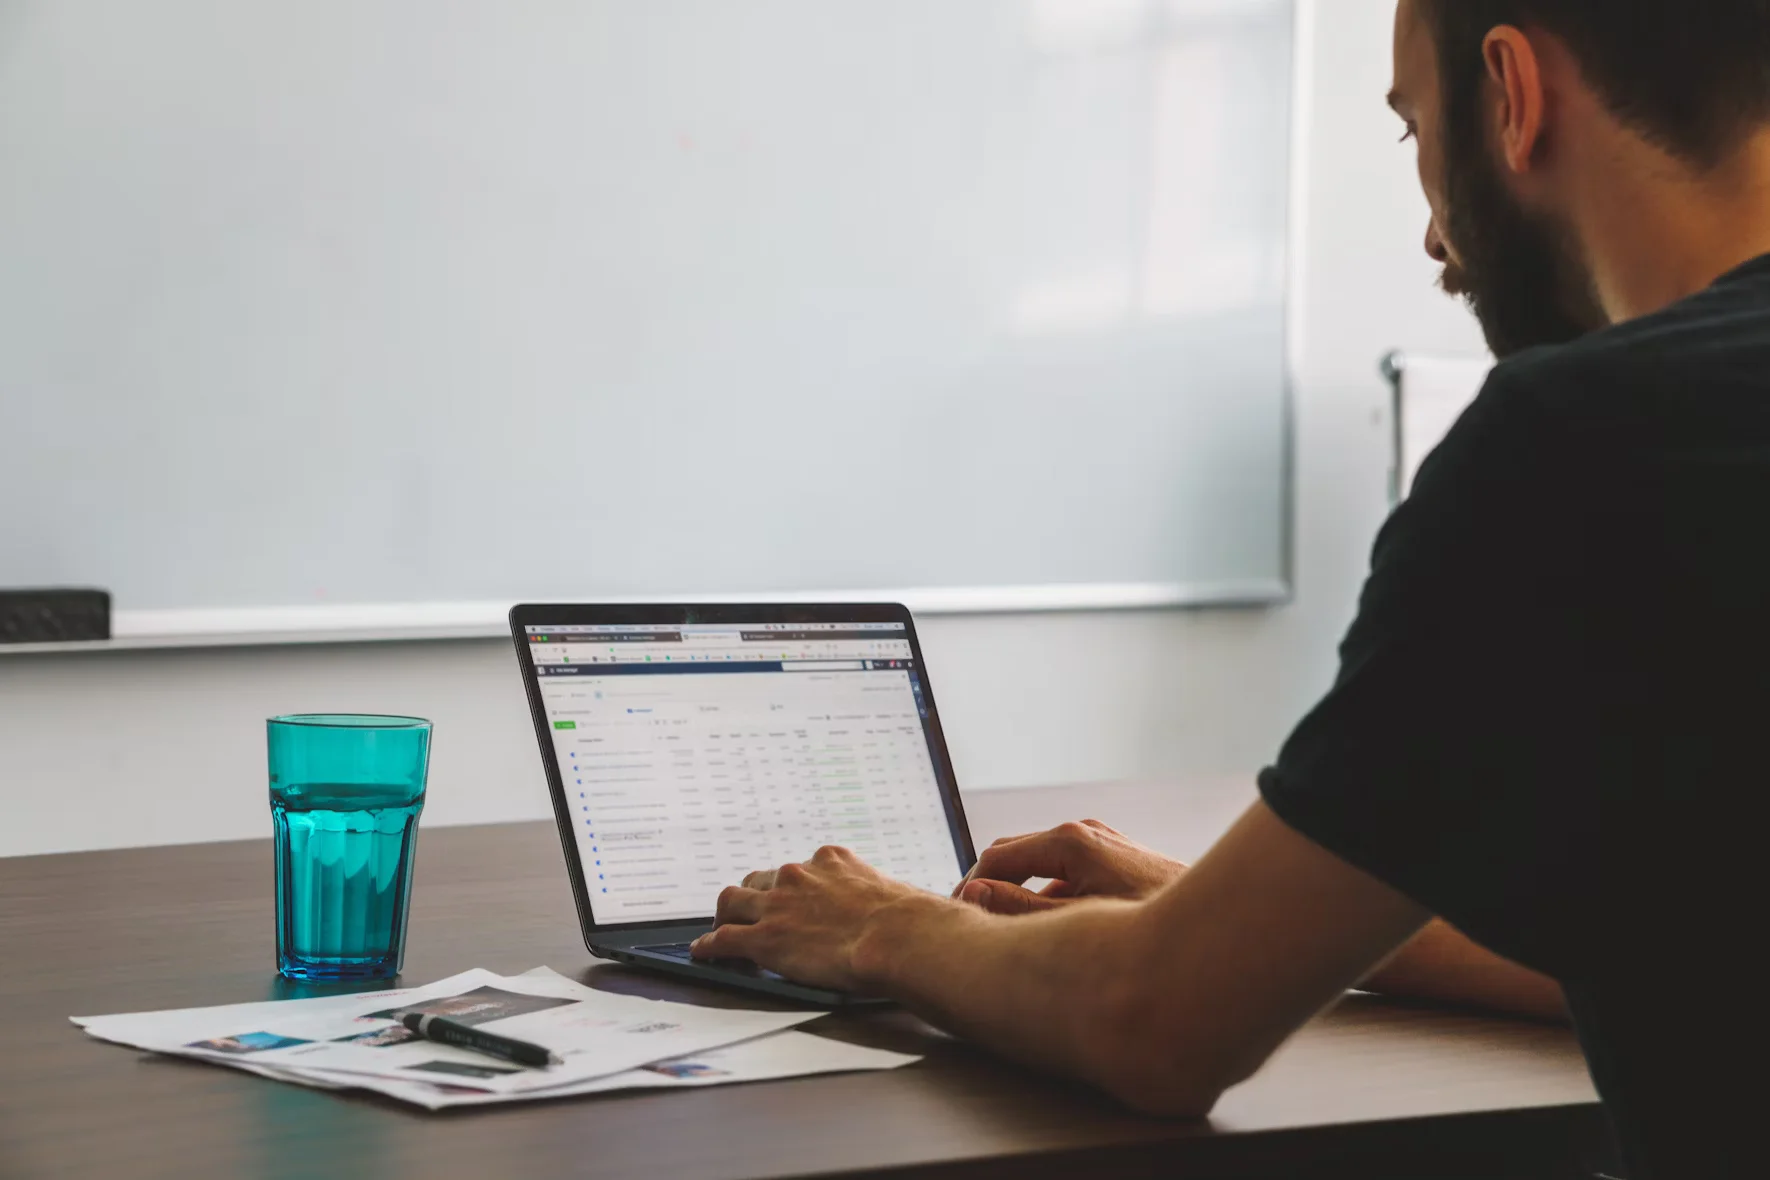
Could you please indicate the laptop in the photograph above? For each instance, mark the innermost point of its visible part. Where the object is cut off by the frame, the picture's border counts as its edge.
(689, 745)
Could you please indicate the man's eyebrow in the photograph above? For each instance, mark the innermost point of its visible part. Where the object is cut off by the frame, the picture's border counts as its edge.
(1393, 98)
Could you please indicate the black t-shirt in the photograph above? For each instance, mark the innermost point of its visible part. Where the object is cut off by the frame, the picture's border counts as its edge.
(1552, 720)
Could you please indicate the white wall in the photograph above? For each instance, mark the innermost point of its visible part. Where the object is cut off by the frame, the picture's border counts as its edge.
(100, 750)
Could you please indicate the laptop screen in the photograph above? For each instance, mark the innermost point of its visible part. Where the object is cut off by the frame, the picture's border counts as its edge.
(692, 754)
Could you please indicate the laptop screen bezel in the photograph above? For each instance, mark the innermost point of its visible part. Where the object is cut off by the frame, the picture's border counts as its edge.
(527, 615)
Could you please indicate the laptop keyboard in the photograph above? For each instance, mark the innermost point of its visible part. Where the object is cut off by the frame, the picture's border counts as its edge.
(679, 951)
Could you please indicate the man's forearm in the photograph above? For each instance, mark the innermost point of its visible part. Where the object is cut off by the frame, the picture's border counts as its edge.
(1062, 991)
(1441, 963)
(1165, 1002)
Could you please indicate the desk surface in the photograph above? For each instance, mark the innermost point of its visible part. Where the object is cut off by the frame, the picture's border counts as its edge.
(87, 933)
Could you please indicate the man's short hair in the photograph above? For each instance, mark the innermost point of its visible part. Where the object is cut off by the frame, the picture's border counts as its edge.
(1692, 76)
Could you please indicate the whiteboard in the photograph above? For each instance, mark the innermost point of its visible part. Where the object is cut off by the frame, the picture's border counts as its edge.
(384, 301)
(1431, 393)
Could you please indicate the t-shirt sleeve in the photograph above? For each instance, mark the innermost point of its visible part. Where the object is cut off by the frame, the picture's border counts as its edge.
(1446, 760)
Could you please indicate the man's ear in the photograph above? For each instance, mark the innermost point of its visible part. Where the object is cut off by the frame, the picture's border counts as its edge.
(1516, 75)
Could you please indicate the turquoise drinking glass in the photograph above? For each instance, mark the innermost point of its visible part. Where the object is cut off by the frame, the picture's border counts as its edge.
(345, 793)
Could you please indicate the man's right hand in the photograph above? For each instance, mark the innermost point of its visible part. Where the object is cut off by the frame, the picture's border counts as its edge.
(1085, 859)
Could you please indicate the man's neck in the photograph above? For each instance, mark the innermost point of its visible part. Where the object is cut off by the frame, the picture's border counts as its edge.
(1667, 231)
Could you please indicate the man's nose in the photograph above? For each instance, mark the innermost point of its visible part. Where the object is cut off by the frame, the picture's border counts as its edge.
(1435, 243)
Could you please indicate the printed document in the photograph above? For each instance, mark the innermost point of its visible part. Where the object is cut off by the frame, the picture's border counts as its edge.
(607, 1041)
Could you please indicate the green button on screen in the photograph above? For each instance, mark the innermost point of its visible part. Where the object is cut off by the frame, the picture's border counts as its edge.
(565, 725)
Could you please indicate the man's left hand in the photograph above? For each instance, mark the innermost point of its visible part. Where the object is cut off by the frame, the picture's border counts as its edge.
(817, 923)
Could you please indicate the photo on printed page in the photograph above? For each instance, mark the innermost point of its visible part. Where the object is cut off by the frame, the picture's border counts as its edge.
(379, 1038)
(479, 1006)
(685, 1070)
(252, 1042)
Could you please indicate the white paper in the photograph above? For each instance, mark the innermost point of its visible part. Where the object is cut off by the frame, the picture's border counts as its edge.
(779, 1055)
(604, 1038)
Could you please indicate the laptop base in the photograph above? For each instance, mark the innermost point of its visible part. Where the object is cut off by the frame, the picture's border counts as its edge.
(667, 951)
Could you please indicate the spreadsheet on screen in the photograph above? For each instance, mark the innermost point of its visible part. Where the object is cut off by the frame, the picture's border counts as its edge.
(691, 754)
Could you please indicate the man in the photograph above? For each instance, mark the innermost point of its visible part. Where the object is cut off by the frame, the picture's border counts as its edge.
(1546, 728)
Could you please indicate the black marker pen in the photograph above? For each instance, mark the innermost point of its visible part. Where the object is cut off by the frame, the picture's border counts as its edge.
(444, 1031)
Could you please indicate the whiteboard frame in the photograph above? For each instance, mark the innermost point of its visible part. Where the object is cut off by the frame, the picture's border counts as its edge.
(148, 630)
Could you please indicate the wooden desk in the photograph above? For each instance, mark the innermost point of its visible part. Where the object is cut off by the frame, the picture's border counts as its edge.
(1372, 1087)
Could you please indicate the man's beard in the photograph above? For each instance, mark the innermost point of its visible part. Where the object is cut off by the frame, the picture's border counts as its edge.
(1519, 272)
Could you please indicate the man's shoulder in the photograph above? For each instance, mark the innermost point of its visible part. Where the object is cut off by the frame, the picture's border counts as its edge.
(1546, 431)
(1502, 436)
(1564, 377)
(1697, 372)
(1634, 372)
